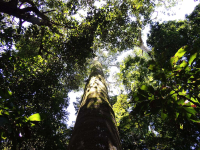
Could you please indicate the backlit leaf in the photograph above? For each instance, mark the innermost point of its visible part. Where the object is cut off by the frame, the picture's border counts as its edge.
(181, 126)
(181, 52)
(192, 58)
(144, 87)
(35, 117)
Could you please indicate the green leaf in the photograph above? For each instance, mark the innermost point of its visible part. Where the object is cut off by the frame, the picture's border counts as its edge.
(197, 121)
(144, 87)
(187, 68)
(173, 60)
(2, 136)
(190, 110)
(178, 55)
(172, 92)
(181, 52)
(192, 58)
(181, 102)
(35, 117)
(177, 114)
(163, 115)
(183, 64)
(151, 67)
(182, 93)
(188, 115)
(181, 126)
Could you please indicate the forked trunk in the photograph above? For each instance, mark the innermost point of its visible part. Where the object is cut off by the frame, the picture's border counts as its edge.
(95, 127)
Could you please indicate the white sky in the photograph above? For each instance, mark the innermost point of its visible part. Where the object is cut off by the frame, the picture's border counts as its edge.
(186, 7)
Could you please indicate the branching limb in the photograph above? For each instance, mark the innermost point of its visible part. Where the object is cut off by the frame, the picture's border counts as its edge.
(143, 47)
(40, 19)
(45, 12)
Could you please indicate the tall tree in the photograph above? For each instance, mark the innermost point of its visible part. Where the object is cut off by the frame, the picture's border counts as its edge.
(95, 126)
(45, 60)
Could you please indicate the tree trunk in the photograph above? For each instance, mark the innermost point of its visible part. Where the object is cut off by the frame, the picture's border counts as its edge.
(95, 127)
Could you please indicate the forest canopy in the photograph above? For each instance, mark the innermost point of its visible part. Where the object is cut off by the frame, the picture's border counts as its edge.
(46, 52)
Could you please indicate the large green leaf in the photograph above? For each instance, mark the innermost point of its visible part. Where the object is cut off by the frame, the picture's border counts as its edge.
(191, 59)
(196, 121)
(183, 64)
(35, 117)
(178, 55)
(181, 52)
(190, 110)
(173, 60)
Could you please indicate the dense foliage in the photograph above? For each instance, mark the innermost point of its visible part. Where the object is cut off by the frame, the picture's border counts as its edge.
(165, 101)
(46, 51)
(40, 63)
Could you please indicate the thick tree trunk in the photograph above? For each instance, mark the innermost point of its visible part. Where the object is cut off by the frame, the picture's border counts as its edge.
(95, 127)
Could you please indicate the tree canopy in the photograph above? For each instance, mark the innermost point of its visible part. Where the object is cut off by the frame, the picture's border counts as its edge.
(46, 49)
(164, 91)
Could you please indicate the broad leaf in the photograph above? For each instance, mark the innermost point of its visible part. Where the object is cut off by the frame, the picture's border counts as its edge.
(181, 52)
(192, 58)
(35, 117)
(190, 110)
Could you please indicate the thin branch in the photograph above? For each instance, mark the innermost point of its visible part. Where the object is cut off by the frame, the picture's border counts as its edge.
(48, 11)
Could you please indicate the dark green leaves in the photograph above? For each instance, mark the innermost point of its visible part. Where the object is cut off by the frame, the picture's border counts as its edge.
(5, 93)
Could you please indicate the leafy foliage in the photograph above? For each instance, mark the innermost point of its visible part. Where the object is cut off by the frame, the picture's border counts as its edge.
(49, 56)
(162, 39)
(40, 64)
(25, 100)
(166, 111)
(133, 73)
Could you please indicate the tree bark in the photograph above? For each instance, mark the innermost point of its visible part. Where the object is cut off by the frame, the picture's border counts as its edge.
(95, 127)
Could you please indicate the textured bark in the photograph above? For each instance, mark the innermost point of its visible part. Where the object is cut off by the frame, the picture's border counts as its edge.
(95, 127)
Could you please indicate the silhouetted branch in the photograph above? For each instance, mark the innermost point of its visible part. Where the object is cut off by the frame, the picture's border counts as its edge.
(40, 19)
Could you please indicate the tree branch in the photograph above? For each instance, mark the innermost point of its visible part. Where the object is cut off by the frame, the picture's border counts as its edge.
(48, 11)
(142, 46)
(10, 8)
